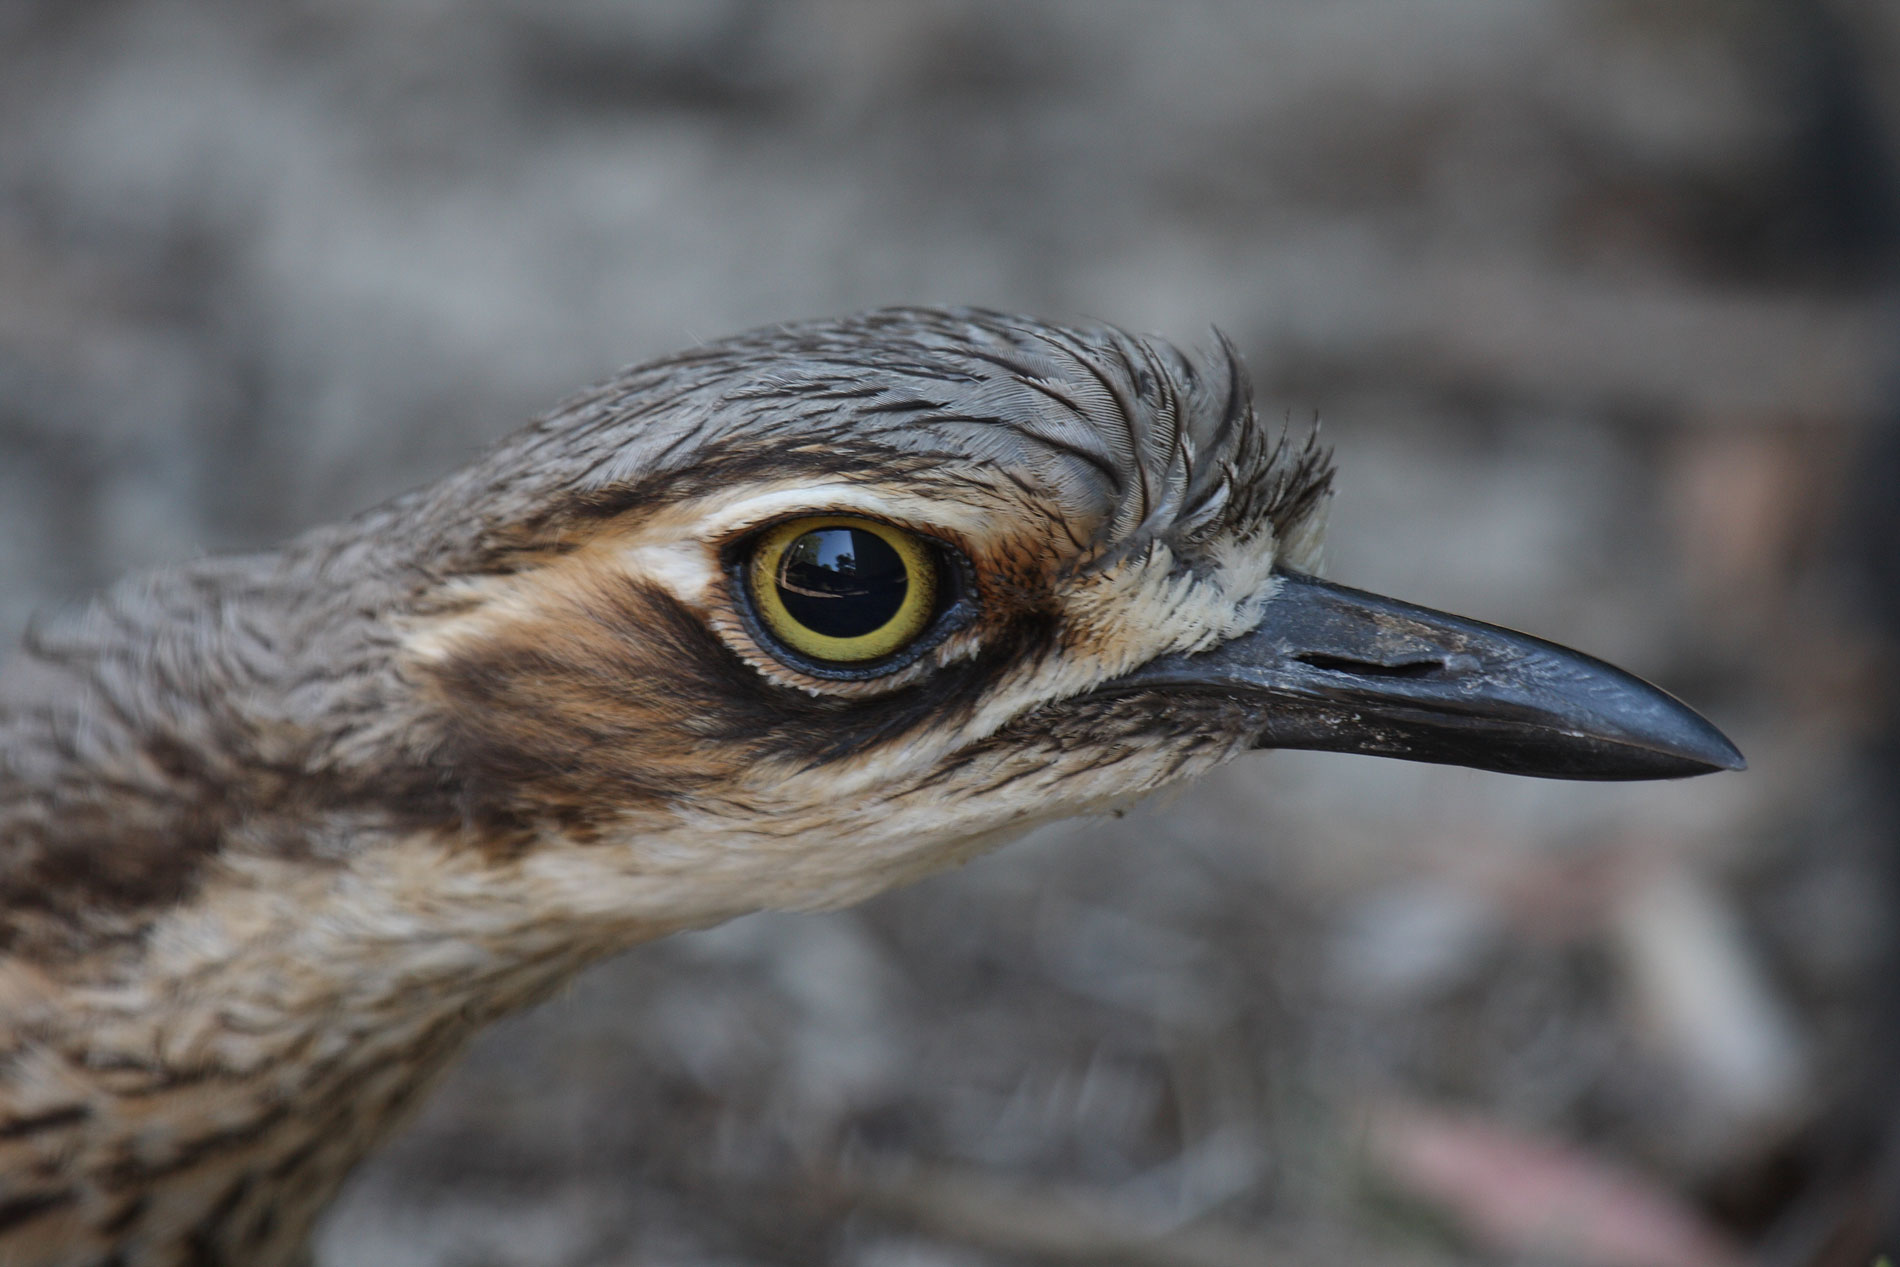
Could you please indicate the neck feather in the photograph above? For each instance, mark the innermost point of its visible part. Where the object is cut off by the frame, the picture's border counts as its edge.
(225, 964)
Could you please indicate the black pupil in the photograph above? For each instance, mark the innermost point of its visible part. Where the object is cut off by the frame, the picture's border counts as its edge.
(841, 582)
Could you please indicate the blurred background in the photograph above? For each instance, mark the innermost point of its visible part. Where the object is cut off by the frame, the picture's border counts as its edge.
(1592, 298)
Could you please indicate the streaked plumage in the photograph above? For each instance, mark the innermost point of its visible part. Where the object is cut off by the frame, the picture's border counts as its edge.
(279, 833)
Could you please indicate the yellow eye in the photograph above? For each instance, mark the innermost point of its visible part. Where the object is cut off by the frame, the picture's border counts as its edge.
(842, 589)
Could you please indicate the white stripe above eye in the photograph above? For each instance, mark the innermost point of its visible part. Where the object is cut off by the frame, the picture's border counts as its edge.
(680, 549)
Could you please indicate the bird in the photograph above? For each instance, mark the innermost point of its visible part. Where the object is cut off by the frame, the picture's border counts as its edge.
(777, 622)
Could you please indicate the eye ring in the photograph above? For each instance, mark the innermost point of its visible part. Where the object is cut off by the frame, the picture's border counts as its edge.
(844, 595)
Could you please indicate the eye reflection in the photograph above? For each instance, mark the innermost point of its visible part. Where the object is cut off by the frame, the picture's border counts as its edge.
(842, 582)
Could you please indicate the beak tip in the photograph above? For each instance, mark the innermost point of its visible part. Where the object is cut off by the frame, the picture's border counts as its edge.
(1703, 749)
(1731, 758)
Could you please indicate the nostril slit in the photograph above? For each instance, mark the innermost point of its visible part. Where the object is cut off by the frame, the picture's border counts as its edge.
(1367, 668)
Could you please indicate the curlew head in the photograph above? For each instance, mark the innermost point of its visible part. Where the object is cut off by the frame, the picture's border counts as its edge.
(805, 613)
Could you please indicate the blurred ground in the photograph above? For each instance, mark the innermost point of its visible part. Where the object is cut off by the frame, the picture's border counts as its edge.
(1590, 295)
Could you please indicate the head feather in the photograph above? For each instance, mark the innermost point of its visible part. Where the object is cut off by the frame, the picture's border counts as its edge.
(1136, 442)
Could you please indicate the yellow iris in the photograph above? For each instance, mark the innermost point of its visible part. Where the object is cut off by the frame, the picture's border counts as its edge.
(841, 588)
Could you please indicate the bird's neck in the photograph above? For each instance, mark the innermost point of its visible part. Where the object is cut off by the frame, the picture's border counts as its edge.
(212, 1091)
(236, 940)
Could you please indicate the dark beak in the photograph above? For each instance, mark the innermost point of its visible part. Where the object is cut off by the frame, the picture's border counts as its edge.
(1341, 670)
